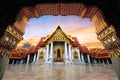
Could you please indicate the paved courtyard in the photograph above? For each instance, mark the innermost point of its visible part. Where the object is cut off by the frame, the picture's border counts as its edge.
(75, 72)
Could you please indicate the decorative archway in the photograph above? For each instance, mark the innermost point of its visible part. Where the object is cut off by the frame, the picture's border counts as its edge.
(106, 32)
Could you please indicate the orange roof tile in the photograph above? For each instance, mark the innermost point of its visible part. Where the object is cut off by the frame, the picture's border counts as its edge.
(77, 44)
(40, 44)
(85, 50)
(99, 53)
(18, 53)
(31, 50)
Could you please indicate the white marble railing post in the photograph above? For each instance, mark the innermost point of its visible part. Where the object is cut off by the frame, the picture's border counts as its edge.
(28, 58)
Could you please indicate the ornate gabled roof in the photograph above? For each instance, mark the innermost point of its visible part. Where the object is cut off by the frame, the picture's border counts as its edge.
(31, 50)
(40, 44)
(85, 50)
(99, 53)
(18, 53)
(77, 44)
(58, 27)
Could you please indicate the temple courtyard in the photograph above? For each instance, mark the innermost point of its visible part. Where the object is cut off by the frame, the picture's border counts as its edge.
(74, 72)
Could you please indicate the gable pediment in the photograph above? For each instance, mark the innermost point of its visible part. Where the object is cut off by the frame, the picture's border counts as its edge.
(58, 35)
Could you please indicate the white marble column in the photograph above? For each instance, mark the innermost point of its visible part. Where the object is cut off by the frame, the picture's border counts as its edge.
(13, 61)
(21, 61)
(88, 58)
(51, 51)
(95, 61)
(47, 53)
(34, 58)
(82, 57)
(70, 53)
(103, 61)
(79, 54)
(107, 61)
(66, 54)
(38, 54)
(16, 61)
(28, 58)
(99, 61)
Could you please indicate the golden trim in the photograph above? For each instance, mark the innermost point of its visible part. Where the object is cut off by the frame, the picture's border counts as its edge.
(58, 27)
(115, 53)
(19, 37)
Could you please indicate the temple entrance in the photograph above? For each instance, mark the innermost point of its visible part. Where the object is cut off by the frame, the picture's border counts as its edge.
(58, 55)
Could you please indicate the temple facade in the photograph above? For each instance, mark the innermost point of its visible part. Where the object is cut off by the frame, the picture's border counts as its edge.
(58, 47)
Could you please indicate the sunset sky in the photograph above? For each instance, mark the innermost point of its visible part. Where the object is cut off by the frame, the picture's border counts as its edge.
(75, 26)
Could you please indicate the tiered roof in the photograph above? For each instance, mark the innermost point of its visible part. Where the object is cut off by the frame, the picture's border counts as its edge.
(31, 50)
(96, 53)
(99, 53)
(19, 53)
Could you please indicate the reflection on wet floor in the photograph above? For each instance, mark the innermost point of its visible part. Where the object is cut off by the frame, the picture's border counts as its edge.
(75, 72)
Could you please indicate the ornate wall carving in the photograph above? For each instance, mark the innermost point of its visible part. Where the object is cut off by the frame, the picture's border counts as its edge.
(110, 41)
(9, 41)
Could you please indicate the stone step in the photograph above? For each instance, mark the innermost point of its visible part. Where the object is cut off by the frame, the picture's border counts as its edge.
(59, 63)
(40, 62)
(78, 62)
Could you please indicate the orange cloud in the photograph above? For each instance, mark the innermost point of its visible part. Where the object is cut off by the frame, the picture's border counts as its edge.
(32, 41)
(93, 45)
(86, 34)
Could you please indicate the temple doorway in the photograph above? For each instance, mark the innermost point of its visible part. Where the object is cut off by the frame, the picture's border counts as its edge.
(58, 55)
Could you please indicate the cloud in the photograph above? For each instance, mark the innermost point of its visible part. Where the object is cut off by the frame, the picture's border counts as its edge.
(93, 45)
(32, 41)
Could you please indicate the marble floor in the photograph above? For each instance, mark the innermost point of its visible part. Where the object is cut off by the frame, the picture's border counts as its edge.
(75, 72)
